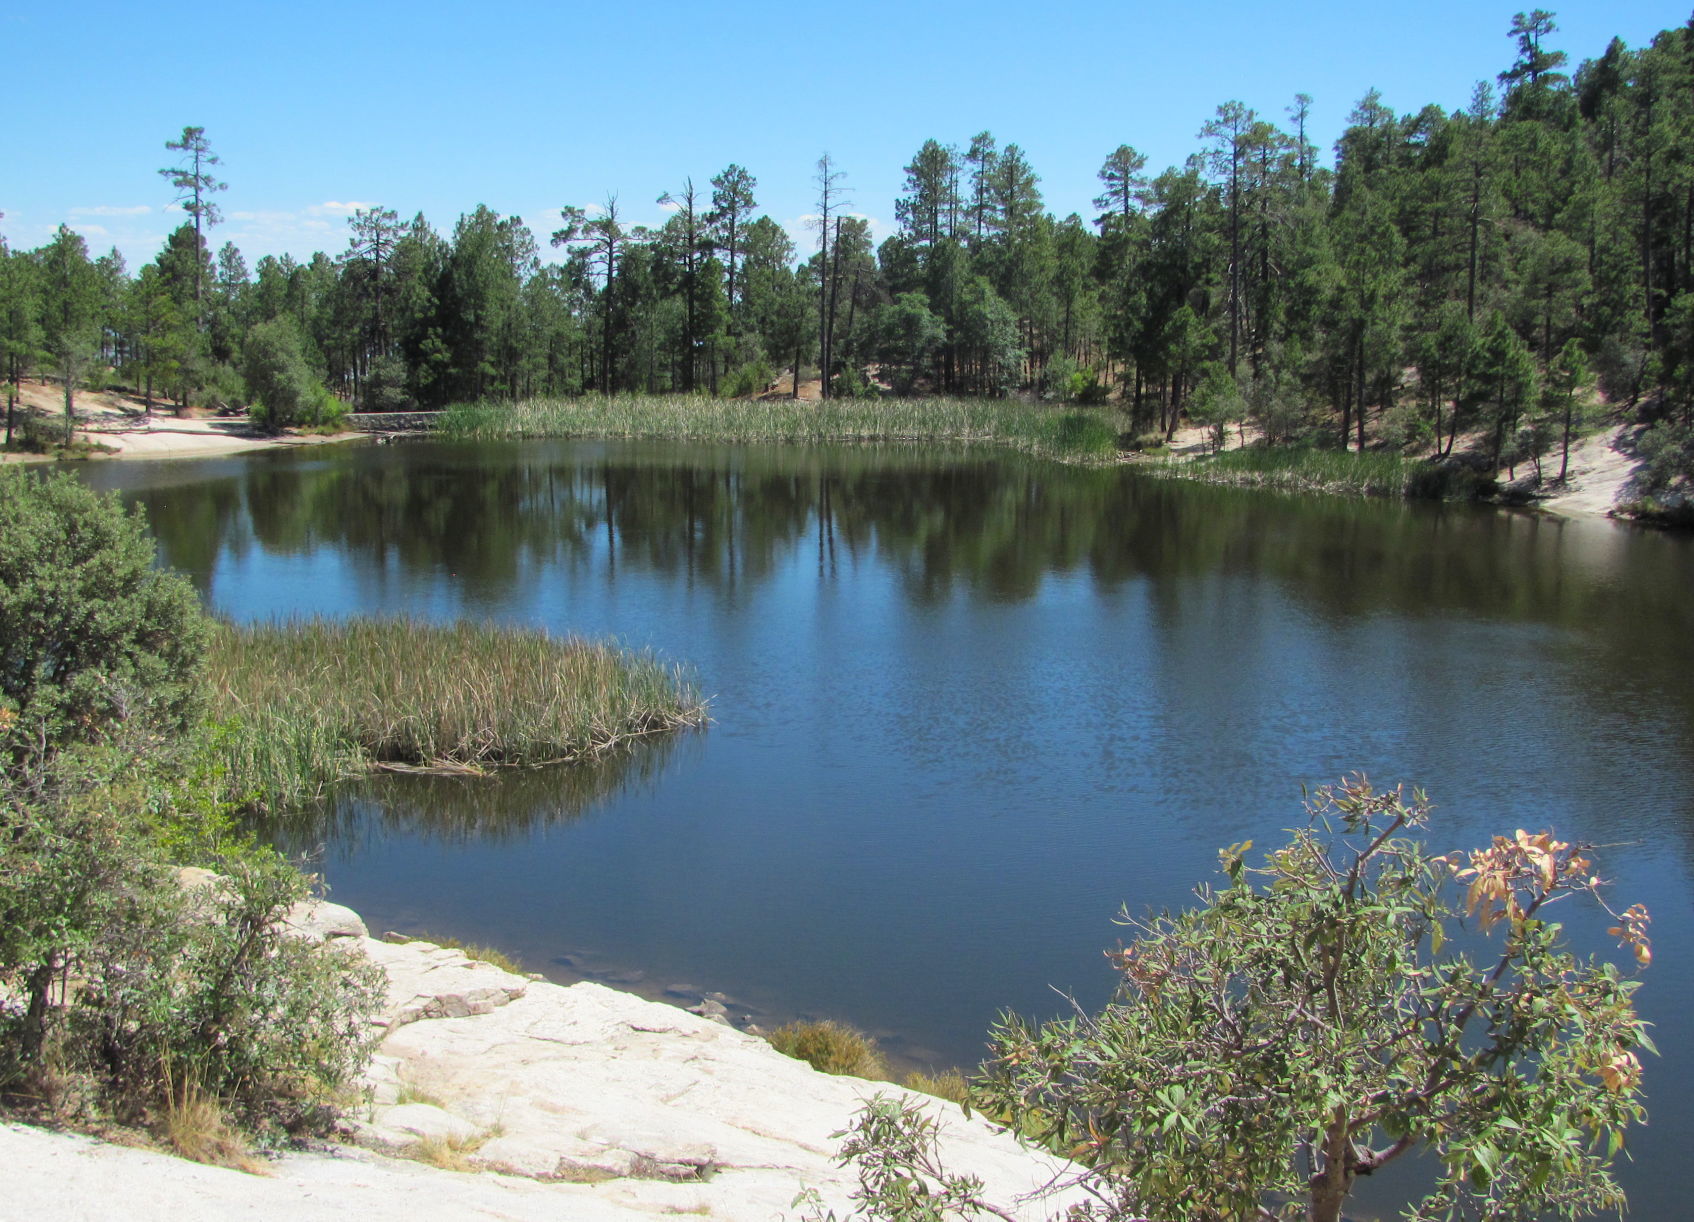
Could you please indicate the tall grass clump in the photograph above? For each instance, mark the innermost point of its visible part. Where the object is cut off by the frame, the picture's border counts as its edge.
(1059, 432)
(830, 1047)
(1299, 469)
(316, 700)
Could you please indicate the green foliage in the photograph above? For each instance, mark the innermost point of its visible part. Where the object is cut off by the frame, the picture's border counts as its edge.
(284, 390)
(1299, 469)
(746, 380)
(830, 1047)
(91, 634)
(111, 972)
(1665, 480)
(1353, 999)
(172, 982)
(1216, 404)
(892, 1143)
(207, 982)
(908, 336)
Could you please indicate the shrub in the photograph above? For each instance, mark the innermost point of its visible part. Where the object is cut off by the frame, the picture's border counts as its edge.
(746, 380)
(177, 988)
(1276, 1042)
(91, 634)
(111, 973)
(285, 390)
(830, 1047)
(1668, 451)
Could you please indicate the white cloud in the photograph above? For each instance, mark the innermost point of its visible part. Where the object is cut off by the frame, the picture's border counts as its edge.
(335, 207)
(113, 210)
(92, 231)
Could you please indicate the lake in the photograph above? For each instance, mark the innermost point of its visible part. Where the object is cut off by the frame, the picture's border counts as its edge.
(967, 706)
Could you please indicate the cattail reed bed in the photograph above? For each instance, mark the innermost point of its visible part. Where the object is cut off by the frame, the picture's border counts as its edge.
(1053, 430)
(317, 700)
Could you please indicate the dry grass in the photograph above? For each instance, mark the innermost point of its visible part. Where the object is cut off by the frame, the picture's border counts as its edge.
(193, 1124)
(949, 1084)
(448, 1153)
(830, 1047)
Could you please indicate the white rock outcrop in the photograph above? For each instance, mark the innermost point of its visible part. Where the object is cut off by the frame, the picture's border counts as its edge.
(575, 1102)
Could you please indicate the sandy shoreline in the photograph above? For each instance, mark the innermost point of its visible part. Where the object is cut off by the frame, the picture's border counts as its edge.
(120, 423)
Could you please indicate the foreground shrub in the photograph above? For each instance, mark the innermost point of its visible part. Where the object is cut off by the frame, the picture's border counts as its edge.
(120, 990)
(1315, 1019)
(91, 634)
(830, 1047)
(149, 990)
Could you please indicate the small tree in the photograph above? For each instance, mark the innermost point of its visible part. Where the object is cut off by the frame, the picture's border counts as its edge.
(279, 377)
(1270, 1046)
(91, 633)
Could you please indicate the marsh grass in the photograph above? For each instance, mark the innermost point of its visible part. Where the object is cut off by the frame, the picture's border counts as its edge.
(318, 700)
(1060, 432)
(1297, 469)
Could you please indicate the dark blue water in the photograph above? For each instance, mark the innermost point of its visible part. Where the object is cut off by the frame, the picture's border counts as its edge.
(966, 707)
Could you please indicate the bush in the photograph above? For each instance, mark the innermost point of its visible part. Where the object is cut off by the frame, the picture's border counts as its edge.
(1668, 451)
(283, 386)
(112, 974)
(746, 380)
(830, 1047)
(177, 989)
(91, 634)
(1280, 1040)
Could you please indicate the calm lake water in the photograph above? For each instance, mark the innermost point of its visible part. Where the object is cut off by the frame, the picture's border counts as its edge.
(966, 707)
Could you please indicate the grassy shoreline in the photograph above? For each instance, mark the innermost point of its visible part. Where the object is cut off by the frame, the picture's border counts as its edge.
(315, 700)
(1292, 469)
(1056, 431)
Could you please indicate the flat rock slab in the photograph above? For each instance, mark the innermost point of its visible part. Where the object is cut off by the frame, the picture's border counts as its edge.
(582, 1103)
(660, 1107)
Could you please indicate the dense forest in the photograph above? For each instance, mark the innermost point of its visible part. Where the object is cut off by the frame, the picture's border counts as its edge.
(1475, 272)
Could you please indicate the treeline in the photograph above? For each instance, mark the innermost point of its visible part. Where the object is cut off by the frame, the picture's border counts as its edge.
(1453, 272)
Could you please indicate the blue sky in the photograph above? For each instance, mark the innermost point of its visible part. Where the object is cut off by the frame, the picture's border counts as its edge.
(437, 107)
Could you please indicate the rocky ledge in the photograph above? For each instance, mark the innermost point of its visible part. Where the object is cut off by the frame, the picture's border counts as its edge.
(575, 1102)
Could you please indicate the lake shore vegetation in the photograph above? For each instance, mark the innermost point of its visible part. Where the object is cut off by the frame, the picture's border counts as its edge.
(126, 994)
(1060, 432)
(314, 701)
(1304, 469)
